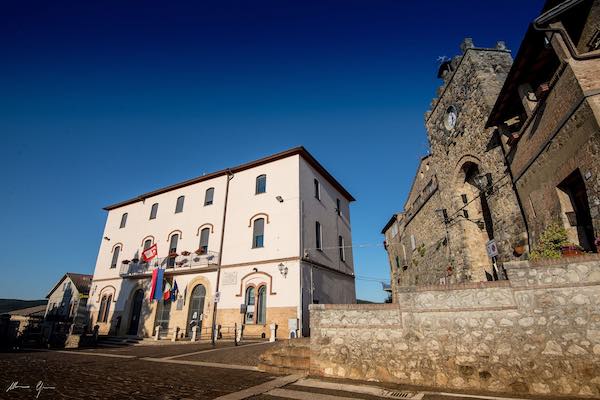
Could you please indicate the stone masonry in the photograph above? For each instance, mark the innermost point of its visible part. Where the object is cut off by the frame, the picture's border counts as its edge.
(538, 333)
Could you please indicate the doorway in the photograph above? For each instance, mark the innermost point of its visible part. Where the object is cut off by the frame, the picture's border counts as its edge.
(575, 211)
(136, 311)
(196, 311)
(163, 314)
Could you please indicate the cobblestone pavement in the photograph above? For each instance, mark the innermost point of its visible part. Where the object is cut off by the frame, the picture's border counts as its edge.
(242, 355)
(163, 350)
(77, 376)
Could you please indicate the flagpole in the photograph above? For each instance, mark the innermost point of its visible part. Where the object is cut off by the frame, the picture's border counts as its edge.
(214, 316)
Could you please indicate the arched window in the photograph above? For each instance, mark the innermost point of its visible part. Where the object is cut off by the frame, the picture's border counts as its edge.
(342, 248)
(208, 196)
(261, 184)
(318, 236)
(204, 234)
(179, 205)
(154, 211)
(147, 244)
(250, 304)
(102, 309)
(115, 257)
(123, 221)
(317, 189)
(261, 305)
(173, 249)
(258, 233)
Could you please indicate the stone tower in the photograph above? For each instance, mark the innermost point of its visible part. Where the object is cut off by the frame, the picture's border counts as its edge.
(476, 194)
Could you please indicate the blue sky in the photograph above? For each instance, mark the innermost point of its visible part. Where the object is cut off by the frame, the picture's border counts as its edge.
(101, 101)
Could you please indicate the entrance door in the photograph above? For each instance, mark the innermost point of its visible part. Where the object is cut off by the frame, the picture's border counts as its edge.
(576, 211)
(163, 314)
(136, 310)
(196, 310)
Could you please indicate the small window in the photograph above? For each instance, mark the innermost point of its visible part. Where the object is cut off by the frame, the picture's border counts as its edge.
(317, 190)
(338, 207)
(179, 205)
(208, 196)
(261, 312)
(413, 242)
(318, 235)
(147, 244)
(115, 257)
(173, 249)
(397, 262)
(261, 184)
(154, 211)
(123, 221)
(342, 248)
(258, 233)
(250, 305)
(465, 213)
(464, 198)
(204, 234)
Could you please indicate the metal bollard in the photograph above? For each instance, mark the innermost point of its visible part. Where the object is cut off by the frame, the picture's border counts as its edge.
(157, 333)
(175, 334)
(273, 337)
(194, 333)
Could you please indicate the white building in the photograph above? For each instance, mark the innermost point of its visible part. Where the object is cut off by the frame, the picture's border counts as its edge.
(273, 234)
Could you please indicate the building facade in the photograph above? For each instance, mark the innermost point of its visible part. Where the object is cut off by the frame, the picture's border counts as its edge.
(513, 147)
(548, 119)
(262, 241)
(67, 300)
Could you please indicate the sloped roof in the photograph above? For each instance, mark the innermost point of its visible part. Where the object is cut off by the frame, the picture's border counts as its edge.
(301, 151)
(30, 311)
(82, 282)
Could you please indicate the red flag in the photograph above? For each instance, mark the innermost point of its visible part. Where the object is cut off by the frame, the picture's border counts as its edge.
(149, 253)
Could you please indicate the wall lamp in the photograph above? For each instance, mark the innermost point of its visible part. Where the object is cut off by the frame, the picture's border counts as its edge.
(279, 199)
(107, 238)
(283, 269)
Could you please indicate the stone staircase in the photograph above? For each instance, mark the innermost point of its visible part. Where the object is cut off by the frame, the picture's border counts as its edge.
(117, 341)
(287, 357)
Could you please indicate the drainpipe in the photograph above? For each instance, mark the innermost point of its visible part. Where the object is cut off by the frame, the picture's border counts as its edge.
(214, 315)
(555, 12)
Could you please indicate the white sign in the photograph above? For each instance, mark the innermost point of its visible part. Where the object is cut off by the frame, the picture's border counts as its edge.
(229, 278)
(217, 297)
(492, 248)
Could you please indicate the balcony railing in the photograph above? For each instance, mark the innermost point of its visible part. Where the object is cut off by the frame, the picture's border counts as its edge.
(170, 264)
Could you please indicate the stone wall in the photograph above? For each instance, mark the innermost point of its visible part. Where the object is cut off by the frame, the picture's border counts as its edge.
(537, 333)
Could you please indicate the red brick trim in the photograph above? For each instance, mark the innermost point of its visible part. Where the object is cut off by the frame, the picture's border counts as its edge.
(270, 285)
(115, 245)
(212, 228)
(146, 238)
(173, 232)
(257, 215)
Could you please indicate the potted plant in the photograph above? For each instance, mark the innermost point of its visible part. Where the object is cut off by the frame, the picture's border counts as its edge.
(135, 260)
(125, 261)
(185, 253)
(200, 252)
(571, 250)
(173, 254)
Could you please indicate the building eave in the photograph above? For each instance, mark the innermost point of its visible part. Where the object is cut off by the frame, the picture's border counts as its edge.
(301, 151)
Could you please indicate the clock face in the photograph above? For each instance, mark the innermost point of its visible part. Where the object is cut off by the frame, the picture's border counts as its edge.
(450, 118)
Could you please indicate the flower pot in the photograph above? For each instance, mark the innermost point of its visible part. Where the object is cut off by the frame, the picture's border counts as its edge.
(570, 251)
(519, 251)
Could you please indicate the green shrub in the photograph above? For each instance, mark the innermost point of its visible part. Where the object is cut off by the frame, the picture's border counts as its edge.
(551, 240)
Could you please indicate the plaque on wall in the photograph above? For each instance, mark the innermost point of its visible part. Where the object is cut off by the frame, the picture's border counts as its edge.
(229, 278)
(180, 303)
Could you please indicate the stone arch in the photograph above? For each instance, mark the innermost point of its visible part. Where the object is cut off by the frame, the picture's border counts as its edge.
(146, 238)
(109, 289)
(174, 232)
(458, 168)
(269, 285)
(115, 246)
(207, 225)
(255, 216)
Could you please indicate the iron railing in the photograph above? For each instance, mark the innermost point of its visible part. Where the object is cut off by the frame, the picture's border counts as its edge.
(178, 263)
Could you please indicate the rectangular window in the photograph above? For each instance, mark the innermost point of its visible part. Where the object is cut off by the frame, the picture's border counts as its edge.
(154, 211)
(338, 207)
(208, 196)
(464, 198)
(397, 262)
(123, 221)
(466, 214)
(173, 250)
(342, 248)
(318, 235)
(394, 229)
(258, 233)
(115, 257)
(261, 184)
(179, 205)
(317, 190)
